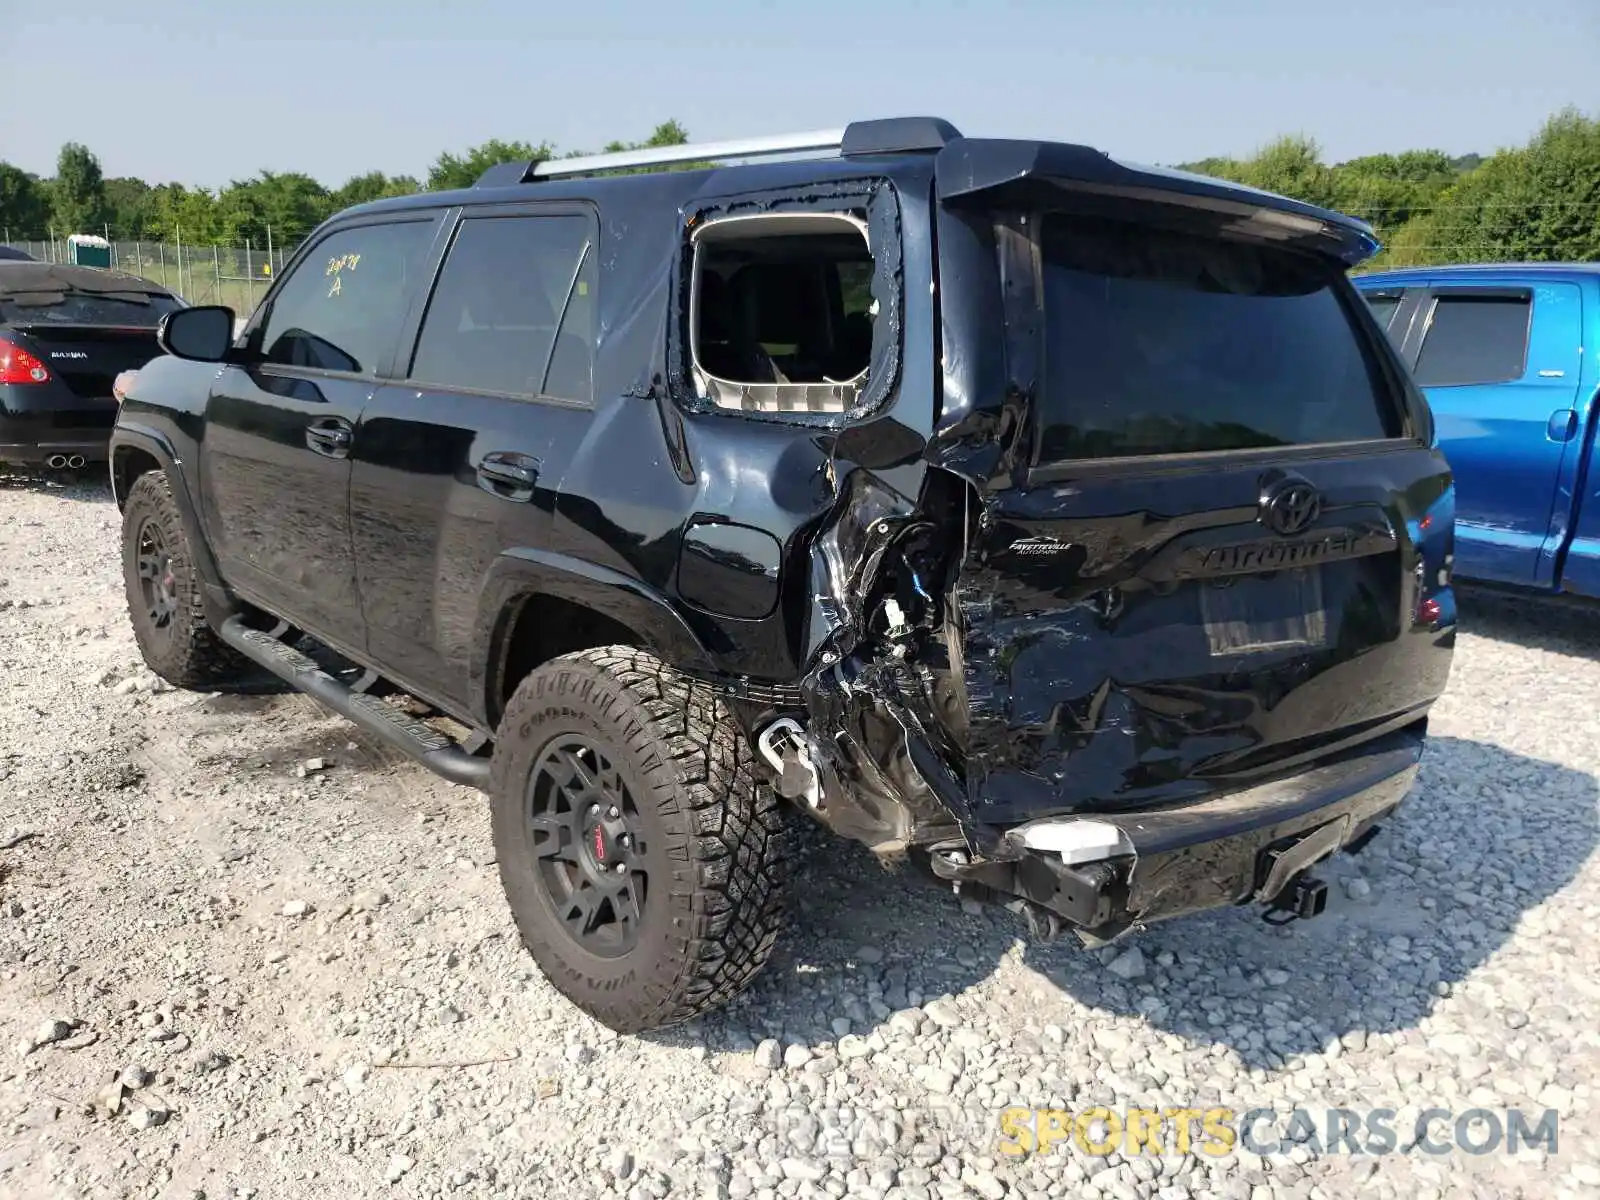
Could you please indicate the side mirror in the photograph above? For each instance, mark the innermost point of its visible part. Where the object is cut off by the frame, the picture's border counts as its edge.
(203, 333)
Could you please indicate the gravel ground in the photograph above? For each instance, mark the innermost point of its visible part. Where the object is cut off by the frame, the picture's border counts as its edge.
(246, 953)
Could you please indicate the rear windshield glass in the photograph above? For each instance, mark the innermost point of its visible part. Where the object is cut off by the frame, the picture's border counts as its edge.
(77, 308)
(1165, 342)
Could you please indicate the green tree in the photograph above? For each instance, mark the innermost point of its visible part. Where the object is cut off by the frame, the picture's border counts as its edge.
(1414, 244)
(1387, 190)
(1291, 166)
(1537, 203)
(462, 171)
(191, 215)
(374, 185)
(290, 204)
(129, 209)
(24, 203)
(668, 133)
(1220, 168)
(79, 193)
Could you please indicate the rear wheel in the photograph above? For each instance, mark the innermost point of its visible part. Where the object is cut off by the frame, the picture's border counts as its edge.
(640, 852)
(163, 590)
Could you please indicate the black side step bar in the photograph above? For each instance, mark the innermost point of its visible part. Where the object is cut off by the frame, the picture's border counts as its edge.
(424, 743)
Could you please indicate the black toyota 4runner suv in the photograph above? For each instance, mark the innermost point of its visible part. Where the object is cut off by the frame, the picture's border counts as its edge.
(1065, 528)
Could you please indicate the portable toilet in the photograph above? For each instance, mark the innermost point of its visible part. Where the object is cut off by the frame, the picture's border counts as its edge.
(89, 250)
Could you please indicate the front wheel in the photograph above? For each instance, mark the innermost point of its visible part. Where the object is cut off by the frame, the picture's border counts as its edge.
(163, 590)
(640, 851)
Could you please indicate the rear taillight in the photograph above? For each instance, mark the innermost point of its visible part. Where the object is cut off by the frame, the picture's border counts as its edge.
(18, 366)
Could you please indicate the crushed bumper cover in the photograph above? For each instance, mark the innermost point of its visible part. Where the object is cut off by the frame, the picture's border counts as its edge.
(1241, 846)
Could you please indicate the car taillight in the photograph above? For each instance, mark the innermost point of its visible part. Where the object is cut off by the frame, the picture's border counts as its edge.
(18, 366)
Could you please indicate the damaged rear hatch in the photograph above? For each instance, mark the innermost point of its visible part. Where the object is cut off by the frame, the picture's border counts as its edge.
(1212, 536)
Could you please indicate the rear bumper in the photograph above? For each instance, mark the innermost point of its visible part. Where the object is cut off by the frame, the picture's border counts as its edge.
(1167, 862)
(31, 441)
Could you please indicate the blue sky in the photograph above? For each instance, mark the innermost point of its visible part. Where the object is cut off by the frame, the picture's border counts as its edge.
(207, 92)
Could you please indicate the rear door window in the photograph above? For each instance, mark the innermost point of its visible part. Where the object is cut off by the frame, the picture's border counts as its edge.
(342, 306)
(1382, 305)
(1166, 342)
(1474, 339)
(513, 311)
(1385, 304)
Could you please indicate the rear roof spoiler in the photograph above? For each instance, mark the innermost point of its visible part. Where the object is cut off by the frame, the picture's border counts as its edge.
(1001, 171)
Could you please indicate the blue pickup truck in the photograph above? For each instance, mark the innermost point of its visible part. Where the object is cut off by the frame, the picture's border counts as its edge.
(1509, 358)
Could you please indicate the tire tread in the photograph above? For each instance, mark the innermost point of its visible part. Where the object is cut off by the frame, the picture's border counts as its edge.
(196, 658)
(692, 754)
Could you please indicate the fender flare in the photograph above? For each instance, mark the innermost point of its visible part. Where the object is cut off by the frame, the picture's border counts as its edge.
(220, 604)
(516, 575)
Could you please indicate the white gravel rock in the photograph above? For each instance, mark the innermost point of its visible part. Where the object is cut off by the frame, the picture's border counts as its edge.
(399, 1167)
(165, 831)
(49, 1032)
(1129, 964)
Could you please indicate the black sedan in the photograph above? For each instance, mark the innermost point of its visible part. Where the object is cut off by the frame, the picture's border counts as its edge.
(66, 333)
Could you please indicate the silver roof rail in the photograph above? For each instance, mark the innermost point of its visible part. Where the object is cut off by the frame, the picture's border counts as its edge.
(893, 135)
(818, 142)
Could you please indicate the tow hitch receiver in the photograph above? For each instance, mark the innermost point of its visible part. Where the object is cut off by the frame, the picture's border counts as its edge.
(1303, 899)
(1286, 883)
(1290, 862)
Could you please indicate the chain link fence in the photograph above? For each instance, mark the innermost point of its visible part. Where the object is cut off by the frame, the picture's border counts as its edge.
(237, 276)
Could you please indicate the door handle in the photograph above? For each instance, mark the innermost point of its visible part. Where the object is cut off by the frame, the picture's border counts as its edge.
(1563, 424)
(330, 437)
(508, 475)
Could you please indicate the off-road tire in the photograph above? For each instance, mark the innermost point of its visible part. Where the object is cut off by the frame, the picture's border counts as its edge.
(185, 651)
(714, 905)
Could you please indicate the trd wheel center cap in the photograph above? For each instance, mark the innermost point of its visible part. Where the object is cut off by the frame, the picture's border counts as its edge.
(606, 843)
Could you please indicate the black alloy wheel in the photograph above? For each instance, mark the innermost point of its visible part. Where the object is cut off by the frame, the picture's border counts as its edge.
(593, 857)
(164, 591)
(641, 849)
(156, 583)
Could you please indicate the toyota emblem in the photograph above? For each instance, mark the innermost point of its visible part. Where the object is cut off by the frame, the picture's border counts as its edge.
(1292, 508)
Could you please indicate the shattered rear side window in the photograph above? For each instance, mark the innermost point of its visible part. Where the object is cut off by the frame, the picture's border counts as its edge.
(783, 312)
